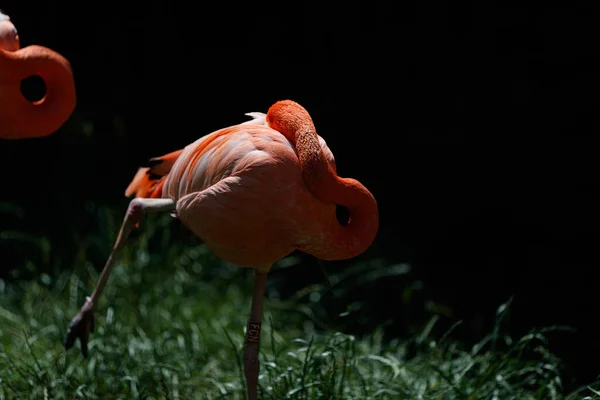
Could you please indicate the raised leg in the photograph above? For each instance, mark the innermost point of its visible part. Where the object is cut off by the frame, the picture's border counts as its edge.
(83, 323)
(251, 363)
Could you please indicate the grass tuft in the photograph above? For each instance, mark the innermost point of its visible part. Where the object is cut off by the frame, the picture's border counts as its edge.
(171, 326)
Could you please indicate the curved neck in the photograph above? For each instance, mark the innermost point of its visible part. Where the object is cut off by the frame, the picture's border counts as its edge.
(20, 118)
(294, 122)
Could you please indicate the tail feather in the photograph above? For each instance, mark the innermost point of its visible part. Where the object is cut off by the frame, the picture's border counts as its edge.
(162, 165)
(149, 180)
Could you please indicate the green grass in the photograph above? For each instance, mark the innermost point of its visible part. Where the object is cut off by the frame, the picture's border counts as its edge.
(170, 326)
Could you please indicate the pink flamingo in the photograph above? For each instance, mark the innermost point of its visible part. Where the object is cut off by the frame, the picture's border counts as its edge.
(253, 193)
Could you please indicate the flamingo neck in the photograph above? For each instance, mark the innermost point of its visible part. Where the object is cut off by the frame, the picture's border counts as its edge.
(294, 122)
(21, 118)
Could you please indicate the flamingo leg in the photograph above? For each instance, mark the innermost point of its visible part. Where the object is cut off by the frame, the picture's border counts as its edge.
(83, 323)
(251, 363)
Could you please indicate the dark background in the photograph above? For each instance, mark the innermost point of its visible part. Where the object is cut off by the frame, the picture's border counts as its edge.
(473, 125)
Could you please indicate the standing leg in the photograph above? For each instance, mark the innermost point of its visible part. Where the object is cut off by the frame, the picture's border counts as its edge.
(83, 323)
(251, 363)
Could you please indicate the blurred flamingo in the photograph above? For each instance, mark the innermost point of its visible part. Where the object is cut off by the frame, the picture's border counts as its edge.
(253, 193)
(19, 117)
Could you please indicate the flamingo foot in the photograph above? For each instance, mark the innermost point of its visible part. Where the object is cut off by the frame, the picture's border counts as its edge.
(81, 326)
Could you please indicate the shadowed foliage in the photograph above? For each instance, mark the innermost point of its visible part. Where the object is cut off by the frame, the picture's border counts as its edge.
(171, 327)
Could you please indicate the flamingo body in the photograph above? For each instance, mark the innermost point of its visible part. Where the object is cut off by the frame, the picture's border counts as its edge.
(241, 190)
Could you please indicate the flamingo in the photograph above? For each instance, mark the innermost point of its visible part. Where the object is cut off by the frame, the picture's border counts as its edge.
(19, 117)
(253, 193)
